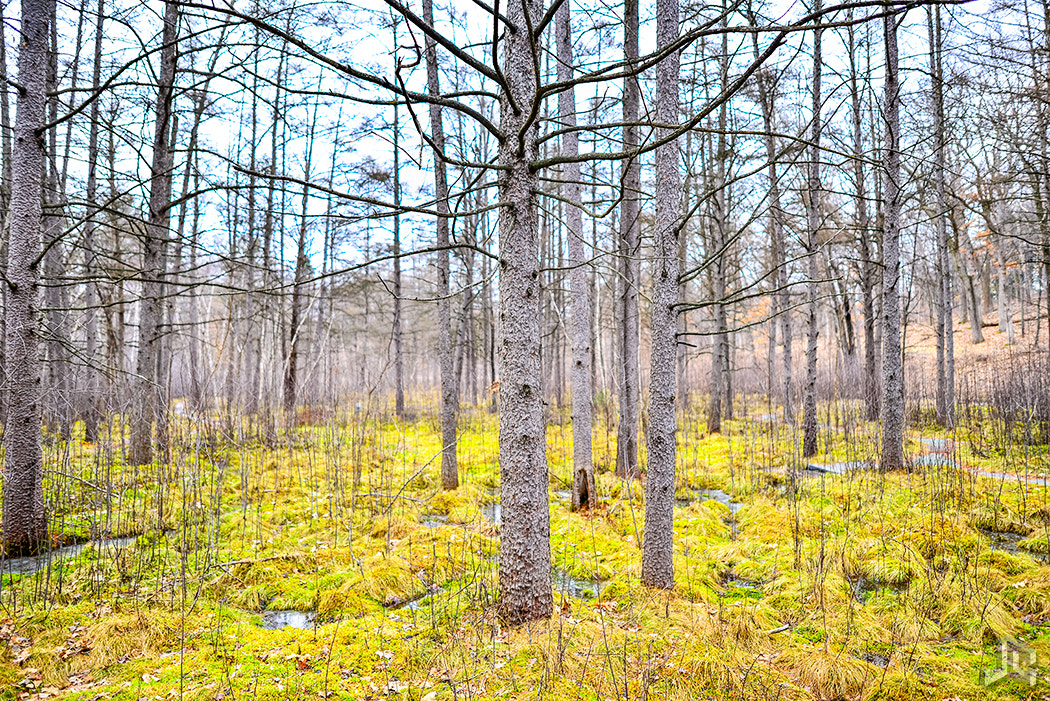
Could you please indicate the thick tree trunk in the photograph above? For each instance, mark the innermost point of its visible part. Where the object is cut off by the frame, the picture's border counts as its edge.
(813, 215)
(449, 390)
(892, 369)
(25, 522)
(5, 209)
(525, 553)
(583, 493)
(630, 242)
(657, 549)
(148, 395)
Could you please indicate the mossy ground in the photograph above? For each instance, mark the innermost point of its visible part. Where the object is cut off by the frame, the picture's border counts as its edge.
(861, 586)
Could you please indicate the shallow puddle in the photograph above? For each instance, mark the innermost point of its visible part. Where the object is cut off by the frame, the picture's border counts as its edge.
(937, 445)
(576, 587)
(35, 563)
(731, 581)
(1007, 542)
(275, 620)
(433, 520)
(492, 512)
(864, 588)
(934, 460)
(835, 468)
(720, 496)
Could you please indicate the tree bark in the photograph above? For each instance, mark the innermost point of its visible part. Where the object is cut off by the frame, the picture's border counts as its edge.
(867, 257)
(629, 249)
(945, 401)
(525, 554)
(147, 396)
(399, 359)
(657, 548)
(813, 215)
(767, 98)
(892, 366)
(91, 408)
(449, 390)
(720, 399)
(583, 493)
(25, 522)
(55, 297)
(5, 209)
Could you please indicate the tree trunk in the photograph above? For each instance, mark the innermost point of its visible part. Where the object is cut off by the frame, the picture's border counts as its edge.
(630, 242)
(525, 553)
(91, 407)
(892, 370)
(5, 209)
(657, 549)
(867, 262)
(25, 522)
(449, 390)
(767, 99)
(945, 323)
(813, 202)
(399, 360)
(54, 294)
(148, 395)
(583, 493)
(720, 398)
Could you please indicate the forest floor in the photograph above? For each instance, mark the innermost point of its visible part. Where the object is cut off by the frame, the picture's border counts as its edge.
(332, 565)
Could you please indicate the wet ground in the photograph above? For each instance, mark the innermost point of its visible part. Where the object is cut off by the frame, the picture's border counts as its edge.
(35, 563)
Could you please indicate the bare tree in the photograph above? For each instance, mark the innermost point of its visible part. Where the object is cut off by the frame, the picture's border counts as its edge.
(148, 407)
